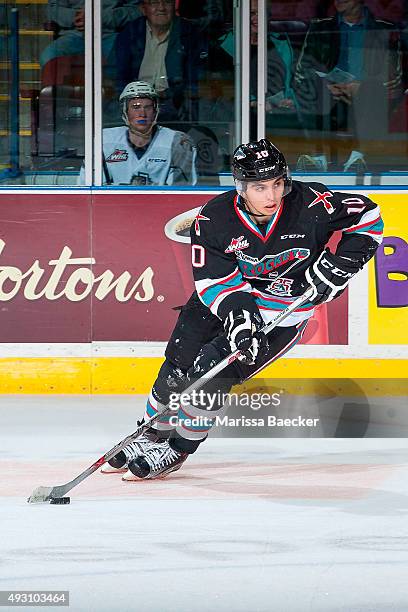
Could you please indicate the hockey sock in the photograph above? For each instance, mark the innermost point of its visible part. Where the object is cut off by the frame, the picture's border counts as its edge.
(162, 427)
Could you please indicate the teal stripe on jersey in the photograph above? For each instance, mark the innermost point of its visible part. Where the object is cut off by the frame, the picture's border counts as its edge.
(254, 225)
(375, 227)
(271, 222)
(209, 295)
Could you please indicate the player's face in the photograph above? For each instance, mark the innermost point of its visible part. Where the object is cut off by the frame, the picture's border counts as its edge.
(264, 197)
(158, 13)
(141, 114)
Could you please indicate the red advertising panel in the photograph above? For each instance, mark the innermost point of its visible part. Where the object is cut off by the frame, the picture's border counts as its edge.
(129, 239)
(44, 240)
(77, 267)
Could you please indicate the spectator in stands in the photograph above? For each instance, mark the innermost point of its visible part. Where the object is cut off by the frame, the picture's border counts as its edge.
(281, 62)
(144, 153)
(166, 51)
(348, 71)
(390, 10)
(280, 101)
(214, 18)
(280, 72)
(67, 17)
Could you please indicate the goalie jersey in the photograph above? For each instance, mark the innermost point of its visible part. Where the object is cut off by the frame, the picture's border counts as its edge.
(168, 160)
(238, 264)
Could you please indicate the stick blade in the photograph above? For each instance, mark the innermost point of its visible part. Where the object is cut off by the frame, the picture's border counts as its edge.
(40, 495)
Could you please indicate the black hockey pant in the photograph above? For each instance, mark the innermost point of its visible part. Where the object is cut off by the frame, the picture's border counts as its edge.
(196, 345)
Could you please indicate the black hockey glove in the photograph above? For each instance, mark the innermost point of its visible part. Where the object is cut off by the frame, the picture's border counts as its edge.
(242, 329)
(329, 276)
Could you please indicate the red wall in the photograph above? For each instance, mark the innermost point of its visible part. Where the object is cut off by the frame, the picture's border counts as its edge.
(46, 299)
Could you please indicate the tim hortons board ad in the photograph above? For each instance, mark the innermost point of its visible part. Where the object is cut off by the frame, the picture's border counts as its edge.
(82, 267)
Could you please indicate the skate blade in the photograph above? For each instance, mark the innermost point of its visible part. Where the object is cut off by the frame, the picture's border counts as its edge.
(40, 495)
(113, 471)
(137, 479)
(130, 477)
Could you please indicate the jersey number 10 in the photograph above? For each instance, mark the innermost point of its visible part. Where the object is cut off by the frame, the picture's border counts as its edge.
(198, 256)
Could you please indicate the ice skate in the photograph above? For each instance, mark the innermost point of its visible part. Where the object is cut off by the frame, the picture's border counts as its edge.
(119, 463)
(157, 461)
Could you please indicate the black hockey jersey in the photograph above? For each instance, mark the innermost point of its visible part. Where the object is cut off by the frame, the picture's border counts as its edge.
(237, 264)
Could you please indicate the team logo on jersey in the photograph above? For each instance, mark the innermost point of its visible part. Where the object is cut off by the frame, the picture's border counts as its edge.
(118, 155)
(251, 267)
(321, 198)
(199, 218)
(237, 244)
(281, 286)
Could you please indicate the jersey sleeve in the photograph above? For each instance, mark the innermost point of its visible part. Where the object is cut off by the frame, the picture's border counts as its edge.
(183, 161)
(218, 281)
(359, 220)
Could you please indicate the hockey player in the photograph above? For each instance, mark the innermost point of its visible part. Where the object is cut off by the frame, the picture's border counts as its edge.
(144, 153)
(254, 250)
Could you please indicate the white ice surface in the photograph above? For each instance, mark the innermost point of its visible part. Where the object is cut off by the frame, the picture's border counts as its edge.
(247, 525)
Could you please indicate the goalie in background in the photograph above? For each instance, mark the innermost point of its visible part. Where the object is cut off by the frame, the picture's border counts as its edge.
(142, 152)
(254, 251)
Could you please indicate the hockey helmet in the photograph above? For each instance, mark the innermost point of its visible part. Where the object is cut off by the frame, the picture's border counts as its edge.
(137, 89)
(259, 161)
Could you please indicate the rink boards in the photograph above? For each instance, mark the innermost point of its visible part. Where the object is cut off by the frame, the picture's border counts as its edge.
(89, 280)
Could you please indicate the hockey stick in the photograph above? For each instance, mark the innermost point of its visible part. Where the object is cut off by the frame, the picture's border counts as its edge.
(44, 494)
(108, 176)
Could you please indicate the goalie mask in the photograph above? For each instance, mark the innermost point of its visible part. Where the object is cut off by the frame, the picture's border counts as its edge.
(138, 89)
(259, 161)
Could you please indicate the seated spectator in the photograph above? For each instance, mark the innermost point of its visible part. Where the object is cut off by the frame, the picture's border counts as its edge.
(215, 19)
(281, 62)
(280, 100)
(166, 51)
(68, 18)
(349, 71)
(390, 10)
(144, 153)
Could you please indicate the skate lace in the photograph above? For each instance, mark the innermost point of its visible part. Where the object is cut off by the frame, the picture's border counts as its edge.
(136, 447)
(160, 456)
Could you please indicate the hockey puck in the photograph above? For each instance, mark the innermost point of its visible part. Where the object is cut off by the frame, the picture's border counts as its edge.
(60, 500)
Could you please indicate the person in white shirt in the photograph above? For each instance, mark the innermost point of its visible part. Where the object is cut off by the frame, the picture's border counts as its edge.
(142, 152)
